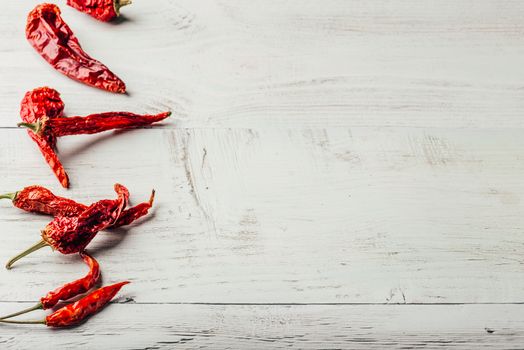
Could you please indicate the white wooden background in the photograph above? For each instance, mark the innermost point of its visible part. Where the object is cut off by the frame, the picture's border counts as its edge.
(337, 174)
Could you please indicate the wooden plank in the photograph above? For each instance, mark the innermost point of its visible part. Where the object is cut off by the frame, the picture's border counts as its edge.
(293, 64)
(291, 216)
(136, 326)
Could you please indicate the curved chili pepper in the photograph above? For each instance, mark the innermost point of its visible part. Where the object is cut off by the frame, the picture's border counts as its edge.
(103, 10)
(71, 235)
(52, 38)
(69, 290)
(134, 213)
(36, 103)
(41, 111)
(38, 199)
(39, 102)
(75, 313)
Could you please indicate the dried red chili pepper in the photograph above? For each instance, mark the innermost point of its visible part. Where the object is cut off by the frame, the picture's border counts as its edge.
(39, 102)
(134, 213)
(92, 124)
(38, 199)
(68, 290)
(41, 111)
(103, 10)
(72, 234)
(52, 38)
(36, 103)
(75, 313)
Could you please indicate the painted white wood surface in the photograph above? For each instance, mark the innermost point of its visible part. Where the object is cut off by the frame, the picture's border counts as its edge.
(340, 152)
(284, 327)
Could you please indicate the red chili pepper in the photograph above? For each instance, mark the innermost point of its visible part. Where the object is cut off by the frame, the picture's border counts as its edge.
(134, 213)
(52, 38)
(51, 158)
(38, 199)
(103, 10)
(39, 102)
(72, 234)
(75, 313)
(68, 290)
(41, 111)
(92, 124)
(36, 103)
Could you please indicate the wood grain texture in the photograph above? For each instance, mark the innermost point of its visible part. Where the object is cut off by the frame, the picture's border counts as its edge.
(283, 216)
(283, 327)
(298, 64)
(326, 162)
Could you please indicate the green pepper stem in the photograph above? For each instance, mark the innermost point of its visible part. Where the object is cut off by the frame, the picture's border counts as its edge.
(11, 196)
(24, 322)
(34, 127)
(120, 3)
(41, 244)
(38, 306)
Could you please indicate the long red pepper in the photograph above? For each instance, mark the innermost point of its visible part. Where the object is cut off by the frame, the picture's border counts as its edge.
(52, 38)
(42, 111)
(103, 10)
(68, 290)
(77, 312)
(36, 103)
(38, 199)
(71, 235)
(51, 158)
(92, 124)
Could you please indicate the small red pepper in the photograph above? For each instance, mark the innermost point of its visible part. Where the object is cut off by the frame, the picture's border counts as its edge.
(103, 10)
(77, 312)
(52, 38)
(72, 234)
(41, 112)
(69, 290)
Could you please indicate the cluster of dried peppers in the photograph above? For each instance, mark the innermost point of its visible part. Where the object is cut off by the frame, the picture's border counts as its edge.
(74, 224)
(72, 229)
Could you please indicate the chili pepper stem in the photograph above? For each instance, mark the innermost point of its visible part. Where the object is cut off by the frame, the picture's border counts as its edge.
(41, 244)
(33, 308)
(120, 3)
(24, 322)
(151, 199)
(11, 196)
(34, 127)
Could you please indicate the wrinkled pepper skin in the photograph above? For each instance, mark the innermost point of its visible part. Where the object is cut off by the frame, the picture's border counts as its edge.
(71, 235)
(102, 10)
(40, 102)
(52, 38)
(100, 122)
(75, 313)
(38, 199)
(42, 112)
(51, 158)
(72, 289)
(134, 213)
